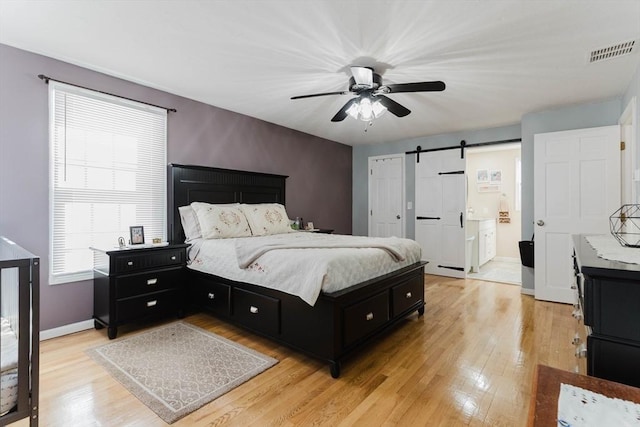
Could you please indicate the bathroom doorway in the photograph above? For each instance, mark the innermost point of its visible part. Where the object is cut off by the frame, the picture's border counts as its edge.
(494, 213)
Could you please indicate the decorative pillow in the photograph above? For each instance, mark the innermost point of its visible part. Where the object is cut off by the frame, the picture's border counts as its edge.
(190, 223)
(221, 221)
(267, 218)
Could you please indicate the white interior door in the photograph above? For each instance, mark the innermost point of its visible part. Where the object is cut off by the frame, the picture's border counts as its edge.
(576, 189)
(386, 196)
(440, 207)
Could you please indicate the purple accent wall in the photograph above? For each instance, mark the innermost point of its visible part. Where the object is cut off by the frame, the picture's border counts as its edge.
(319, 187)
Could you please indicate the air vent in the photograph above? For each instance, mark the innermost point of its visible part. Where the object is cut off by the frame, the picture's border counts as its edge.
(611, 52)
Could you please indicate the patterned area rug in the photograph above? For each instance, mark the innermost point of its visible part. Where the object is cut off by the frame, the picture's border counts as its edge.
(178, 368)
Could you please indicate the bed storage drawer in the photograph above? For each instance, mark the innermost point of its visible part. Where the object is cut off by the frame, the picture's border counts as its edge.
(160, 303)
(362, 318)
(212, 296)
(406, 295)
(258, 312)
(144, 283)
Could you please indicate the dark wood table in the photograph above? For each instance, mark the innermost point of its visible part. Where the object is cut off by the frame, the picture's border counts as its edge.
(543, 410)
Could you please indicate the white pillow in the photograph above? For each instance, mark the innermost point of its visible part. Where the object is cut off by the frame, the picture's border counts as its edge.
(221, 221)
(190, 223)
(267, 218)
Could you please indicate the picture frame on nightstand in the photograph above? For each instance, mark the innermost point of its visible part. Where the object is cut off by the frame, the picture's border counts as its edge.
(136, 234)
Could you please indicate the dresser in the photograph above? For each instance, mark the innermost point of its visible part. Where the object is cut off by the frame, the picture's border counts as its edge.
(134, 284)
(608, 306)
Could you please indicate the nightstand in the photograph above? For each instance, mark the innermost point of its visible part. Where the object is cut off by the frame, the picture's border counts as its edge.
(133, 284)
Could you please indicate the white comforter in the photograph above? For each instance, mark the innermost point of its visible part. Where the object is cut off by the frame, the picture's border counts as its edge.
(298, 268)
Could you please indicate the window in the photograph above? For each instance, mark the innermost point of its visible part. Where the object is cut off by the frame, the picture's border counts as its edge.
(107, 172)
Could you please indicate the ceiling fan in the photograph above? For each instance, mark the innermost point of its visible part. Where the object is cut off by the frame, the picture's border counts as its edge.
(370, 101)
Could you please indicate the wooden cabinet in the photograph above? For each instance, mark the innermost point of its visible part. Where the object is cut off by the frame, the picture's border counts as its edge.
(608, 293)
(484, 244)
(133, 284)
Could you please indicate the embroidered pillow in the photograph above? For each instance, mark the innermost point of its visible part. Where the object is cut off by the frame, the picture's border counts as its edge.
(221, 221)
(267, 218)
(190, 223)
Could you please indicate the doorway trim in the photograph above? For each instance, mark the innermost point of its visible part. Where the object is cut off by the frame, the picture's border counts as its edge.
(629, 162)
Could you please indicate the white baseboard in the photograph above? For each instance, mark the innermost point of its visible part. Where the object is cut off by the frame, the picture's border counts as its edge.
(527, 291)
(506, 259)
(66, 330)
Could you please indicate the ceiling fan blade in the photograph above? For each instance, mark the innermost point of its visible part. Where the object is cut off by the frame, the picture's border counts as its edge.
(393, 106)
(342, 114)
(363, 76)
(435, 86)
(319, 94)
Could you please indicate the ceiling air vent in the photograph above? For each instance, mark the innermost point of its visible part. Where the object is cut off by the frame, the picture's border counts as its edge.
(611, 52)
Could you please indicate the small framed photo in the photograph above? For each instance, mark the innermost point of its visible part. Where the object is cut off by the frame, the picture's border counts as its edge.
(309, 225)
(482, 175)
(137, 234)
(496, 176)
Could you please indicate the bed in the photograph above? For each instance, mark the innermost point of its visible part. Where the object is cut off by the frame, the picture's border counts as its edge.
(330, 326)
(19, 336)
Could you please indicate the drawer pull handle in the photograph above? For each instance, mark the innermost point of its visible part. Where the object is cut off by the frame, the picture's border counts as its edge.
(211, 295)
(253, 309)
(152, 281)
(152, 303)
(408, 295)
(369, 316)
(173, 258)
(129, 263)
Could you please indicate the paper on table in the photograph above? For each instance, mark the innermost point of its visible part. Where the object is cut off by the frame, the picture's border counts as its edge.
(578, 407)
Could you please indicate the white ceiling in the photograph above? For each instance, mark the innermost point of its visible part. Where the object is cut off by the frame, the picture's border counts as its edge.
(499, 59)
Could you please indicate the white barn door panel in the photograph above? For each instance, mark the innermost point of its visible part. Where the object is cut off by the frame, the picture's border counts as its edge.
(440, 206)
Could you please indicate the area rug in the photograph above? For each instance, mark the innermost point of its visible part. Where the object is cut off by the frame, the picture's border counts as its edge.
(178, 368)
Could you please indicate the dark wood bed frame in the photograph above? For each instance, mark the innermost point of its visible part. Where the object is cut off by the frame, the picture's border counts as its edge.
(338, 324)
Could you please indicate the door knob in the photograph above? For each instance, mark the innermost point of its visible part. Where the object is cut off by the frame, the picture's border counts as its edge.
(397, 216)
(540, 222)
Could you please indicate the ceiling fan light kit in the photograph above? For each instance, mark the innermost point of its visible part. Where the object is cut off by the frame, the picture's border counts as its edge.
(371, 102)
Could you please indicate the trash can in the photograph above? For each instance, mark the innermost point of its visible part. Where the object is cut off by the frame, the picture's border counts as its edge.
(526, 252)
(469, 253)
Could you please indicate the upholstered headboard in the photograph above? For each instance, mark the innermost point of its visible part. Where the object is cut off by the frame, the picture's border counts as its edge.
(214, 185)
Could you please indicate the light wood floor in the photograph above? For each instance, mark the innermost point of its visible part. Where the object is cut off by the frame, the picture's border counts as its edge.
(468, 361)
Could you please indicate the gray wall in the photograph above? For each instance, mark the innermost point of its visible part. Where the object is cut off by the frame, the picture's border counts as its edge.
(318, 189)
(360, 165)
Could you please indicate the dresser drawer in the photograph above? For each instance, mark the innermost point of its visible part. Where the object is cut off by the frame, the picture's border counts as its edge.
(364, 317)
(144, 283)
(613, 360)
(159, 303)
(211, 296)
(257, 312)
(406, 295)
(134, 260)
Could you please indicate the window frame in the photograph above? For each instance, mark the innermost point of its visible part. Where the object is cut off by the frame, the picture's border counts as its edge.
(59, 87)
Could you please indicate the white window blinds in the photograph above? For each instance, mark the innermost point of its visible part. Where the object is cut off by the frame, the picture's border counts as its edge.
(107, 173)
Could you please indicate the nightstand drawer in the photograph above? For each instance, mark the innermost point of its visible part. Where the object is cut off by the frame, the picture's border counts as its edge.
(406, 295)
(257, 312)
(144, 283)
(362, 318)
(134, 261)
(160, 303)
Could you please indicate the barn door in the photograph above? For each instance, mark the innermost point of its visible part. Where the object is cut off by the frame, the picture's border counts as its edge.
(440, 207)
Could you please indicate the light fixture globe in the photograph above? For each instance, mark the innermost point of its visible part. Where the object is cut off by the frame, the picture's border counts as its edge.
(366, 110)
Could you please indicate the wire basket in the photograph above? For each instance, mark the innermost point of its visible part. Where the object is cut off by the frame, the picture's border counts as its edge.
(625, 225)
